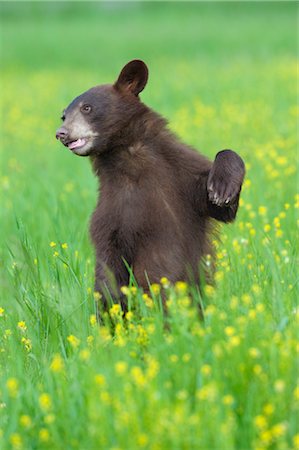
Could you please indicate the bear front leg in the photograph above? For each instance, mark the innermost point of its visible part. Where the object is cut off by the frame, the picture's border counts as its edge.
(224, 185)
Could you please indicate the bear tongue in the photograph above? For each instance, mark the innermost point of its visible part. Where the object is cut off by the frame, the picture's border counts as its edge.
(75, 144)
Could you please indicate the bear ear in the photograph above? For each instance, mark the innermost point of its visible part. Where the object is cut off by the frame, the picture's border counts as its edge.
(133, 77)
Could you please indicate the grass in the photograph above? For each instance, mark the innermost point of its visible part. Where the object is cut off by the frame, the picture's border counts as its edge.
(225, 76)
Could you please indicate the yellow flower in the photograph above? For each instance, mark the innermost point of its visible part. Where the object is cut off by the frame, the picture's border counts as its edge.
(138, 376)
(260, 422)
(52, 244)
(209, 290)
(55, 254)
(262, 210)
(73, 340)
(49, 418)
(279, 386)
(22, 326)
(186, 357)
(148, 301)
(129, 315)
(44, 435)
(256, 289)
(228, 400)
(27, 343)
(1, 312)
(246, 299)
(234, 341)
(165, 282)
(64, 245)
(155, 288)
(25, 421)
(45, 401)
(16, 441)
(12, 385)
(115, 310)
(153, 368)
(206, 369)
(266, 437)
(84, 354)
(121, 367)
(100, 380)
(142, 440)
(296, 441)
(173, 358)
(254, 352)
(268, 409)
(279, 430)
(97, 296)
(267, 228)
(57, 364)
(229, 331)
(125, 290)
(90, 340)
(93, 320)
(257, 369)
(296, 393)
(181, 287)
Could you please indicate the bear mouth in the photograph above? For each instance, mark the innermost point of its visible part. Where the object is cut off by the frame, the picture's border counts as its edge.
(78, 143)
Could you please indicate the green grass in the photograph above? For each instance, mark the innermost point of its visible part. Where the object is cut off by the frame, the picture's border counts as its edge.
(225, 77)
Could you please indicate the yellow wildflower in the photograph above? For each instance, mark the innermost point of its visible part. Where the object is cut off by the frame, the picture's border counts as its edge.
(121, 367)
(209, 290)
(45, 401)
(93, 320)
(57, 364)
(49, 418)
(228, 400)
(22, 326)
(115, 310)
(100, 380)
(16, 441)
(142, 440)
(138, 376)
(84, 354)
(279, 429)
(268, 409)
(279, 386)
(64, 245)
(25, 421)
(173, 358)
(73, 340)
(206, 369)
(260, 422)
(129, 315)
(229, 331)
(262, 210)
(27, 343)
(12, 385)
(155, 288)
(52, 244)
(1, 312)
(44, 435)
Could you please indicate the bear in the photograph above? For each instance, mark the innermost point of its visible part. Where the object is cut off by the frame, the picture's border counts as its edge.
(158, 198)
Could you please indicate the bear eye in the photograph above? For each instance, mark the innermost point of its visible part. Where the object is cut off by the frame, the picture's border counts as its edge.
(62, 117)
(86, 109)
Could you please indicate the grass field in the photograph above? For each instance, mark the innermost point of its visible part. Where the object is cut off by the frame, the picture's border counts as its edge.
(224, 74)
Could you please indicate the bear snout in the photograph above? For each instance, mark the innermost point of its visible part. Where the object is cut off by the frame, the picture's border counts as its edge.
(62, 134)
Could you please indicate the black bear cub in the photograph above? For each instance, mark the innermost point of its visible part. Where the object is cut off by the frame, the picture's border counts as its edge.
(157, 195)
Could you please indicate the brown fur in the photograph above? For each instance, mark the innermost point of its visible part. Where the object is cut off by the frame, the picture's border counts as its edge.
(157, 195)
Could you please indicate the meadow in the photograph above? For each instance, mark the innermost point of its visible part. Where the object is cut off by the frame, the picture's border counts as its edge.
(225, 76)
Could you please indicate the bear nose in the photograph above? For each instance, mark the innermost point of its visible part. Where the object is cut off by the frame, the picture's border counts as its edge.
(61, 134)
